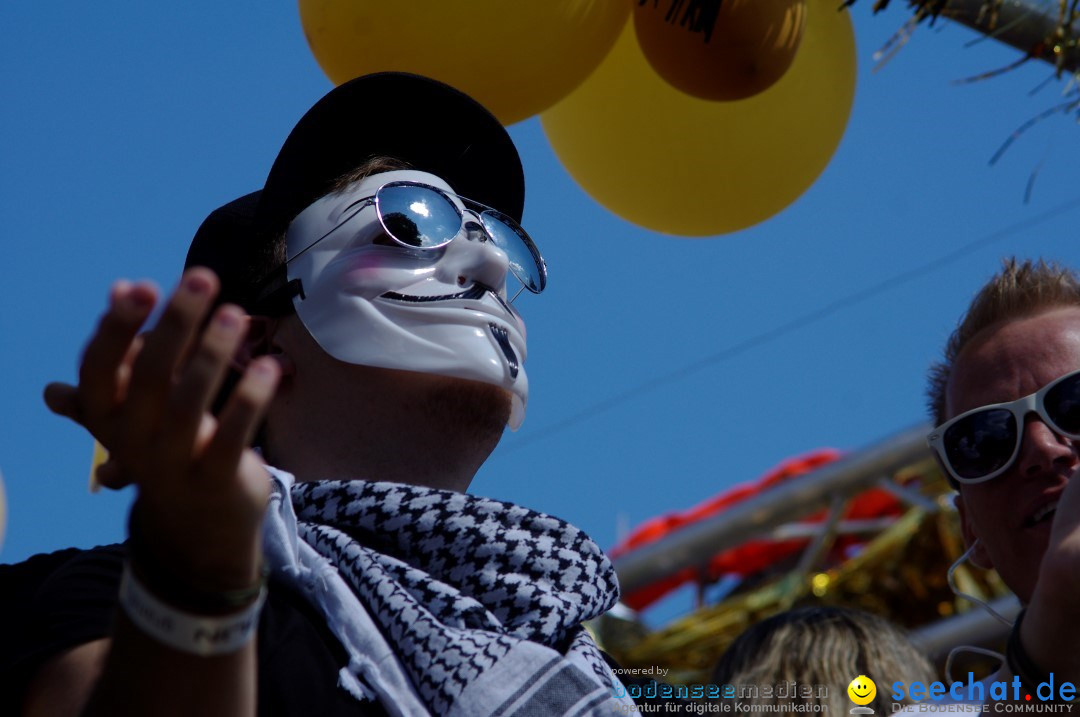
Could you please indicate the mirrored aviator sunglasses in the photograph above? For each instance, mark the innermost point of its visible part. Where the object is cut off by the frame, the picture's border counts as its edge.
(983, 443)
(424, 217)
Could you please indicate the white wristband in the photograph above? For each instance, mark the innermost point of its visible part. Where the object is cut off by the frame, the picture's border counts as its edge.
(194, 634)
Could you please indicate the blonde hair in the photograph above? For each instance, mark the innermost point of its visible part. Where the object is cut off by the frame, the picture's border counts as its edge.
(821, 647)
(1017, 291)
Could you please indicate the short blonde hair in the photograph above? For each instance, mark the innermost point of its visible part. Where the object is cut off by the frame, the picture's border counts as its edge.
(1017, 291)
(822, 647)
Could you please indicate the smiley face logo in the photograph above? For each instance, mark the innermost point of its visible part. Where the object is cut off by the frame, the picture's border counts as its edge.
(862, 690)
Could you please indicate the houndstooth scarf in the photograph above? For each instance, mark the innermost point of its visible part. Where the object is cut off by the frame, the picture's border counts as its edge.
(448, 603)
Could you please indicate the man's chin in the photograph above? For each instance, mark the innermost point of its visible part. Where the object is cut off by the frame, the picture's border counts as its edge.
(480, 410)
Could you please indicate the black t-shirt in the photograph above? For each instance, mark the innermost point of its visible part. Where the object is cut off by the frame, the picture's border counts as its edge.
(56, 601)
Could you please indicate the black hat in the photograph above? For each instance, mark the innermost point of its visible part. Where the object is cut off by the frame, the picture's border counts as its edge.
(425, 123)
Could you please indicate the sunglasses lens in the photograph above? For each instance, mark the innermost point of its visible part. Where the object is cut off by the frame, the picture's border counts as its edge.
(417, 216)
(1062, 404)
(525, 260)
(981, 443)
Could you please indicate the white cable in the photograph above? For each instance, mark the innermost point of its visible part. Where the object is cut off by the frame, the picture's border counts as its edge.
(998, 616)
(967, 648)
(956, 591)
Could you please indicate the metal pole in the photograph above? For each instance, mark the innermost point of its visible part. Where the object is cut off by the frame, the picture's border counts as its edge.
(693, 545)
(1030, 26)
(975, 627)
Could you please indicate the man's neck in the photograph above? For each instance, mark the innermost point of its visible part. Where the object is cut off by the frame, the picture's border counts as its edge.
(413, 465)
(437, 438)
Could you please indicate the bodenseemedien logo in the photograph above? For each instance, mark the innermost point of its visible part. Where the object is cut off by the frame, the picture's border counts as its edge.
(790, 698)
(862, 692)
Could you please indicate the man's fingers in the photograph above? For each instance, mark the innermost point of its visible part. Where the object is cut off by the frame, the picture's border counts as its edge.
(111, 475)
(200, 381)
(123, 374)
(129, 306)
(240, 418)
(63, 400)
(163, 348)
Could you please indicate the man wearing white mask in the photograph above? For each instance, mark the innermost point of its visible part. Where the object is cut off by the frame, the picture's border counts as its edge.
(378, 360)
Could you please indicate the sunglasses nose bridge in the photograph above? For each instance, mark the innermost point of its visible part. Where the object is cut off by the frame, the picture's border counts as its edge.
(474, 230)
(477, 259)
(1041, 447)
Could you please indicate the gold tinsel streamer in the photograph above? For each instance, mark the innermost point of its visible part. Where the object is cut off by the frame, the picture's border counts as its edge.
(898, 574)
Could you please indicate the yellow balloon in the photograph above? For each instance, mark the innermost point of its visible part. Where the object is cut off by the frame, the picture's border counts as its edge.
(739, 49)
(676, 164)
(517, 57)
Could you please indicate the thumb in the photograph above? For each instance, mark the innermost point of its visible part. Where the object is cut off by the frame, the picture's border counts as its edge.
(63, 400)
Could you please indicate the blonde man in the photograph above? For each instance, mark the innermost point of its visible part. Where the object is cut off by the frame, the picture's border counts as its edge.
(1006, 401)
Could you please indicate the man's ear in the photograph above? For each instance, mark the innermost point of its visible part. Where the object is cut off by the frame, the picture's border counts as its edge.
(979, 557)
(261, 340)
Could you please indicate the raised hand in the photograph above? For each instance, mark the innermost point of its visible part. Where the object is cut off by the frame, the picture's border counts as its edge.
(202, 491)
(1051, 626)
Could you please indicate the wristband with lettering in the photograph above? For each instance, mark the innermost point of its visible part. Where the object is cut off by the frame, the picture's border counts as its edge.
(193, 634)
(182, 592)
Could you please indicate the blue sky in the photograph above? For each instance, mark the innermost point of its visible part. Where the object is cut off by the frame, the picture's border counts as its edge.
(659, 376)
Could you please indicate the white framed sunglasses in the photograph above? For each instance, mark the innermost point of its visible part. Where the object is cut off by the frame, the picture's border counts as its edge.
(981, 444)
